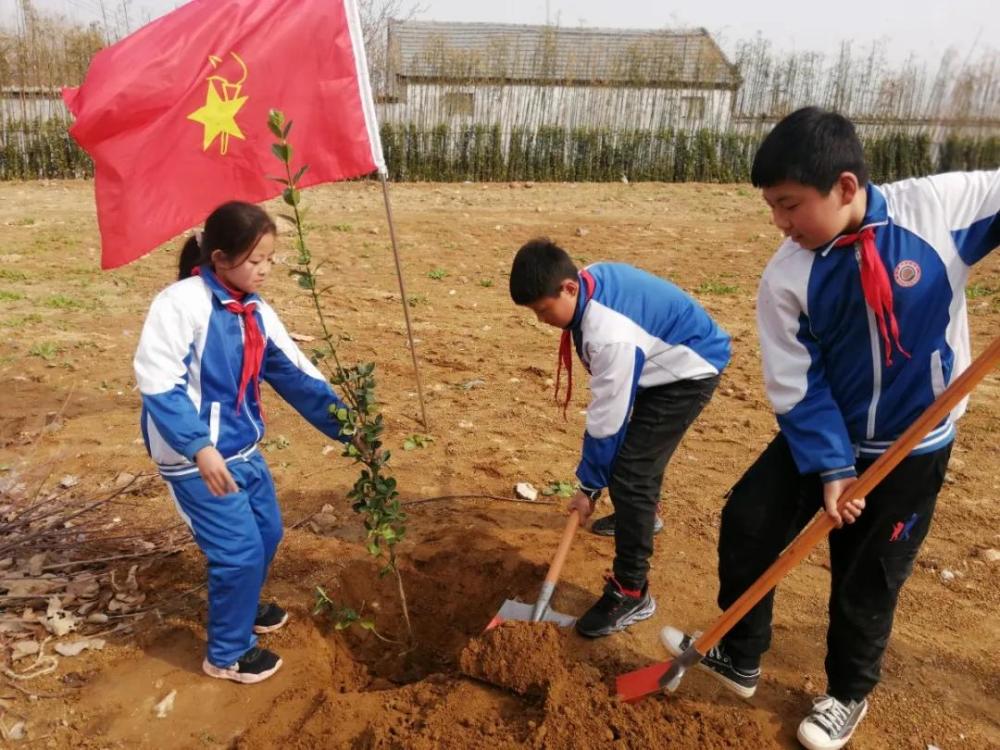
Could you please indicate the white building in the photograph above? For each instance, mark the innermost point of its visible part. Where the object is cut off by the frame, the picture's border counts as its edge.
(461, 74)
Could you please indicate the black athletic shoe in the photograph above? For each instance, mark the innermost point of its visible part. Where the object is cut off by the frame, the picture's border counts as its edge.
(716, 662)
(606, 526)
(270, 617)
(256, 665)
(615, 611)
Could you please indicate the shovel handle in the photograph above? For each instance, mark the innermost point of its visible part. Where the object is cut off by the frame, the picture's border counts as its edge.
(821, 526)
(549, 584)
(555, 569)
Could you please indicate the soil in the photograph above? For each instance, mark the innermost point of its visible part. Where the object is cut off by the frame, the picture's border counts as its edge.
(68, 406)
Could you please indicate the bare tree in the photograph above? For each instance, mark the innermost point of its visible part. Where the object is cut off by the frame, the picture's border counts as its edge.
(375, 17)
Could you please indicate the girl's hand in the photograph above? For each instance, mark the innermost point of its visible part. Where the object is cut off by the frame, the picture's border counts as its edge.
(214, 471)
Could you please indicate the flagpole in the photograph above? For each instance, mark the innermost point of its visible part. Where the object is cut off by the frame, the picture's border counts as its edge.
(402, 294)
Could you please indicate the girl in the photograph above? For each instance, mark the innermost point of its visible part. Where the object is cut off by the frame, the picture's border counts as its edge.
(207, 342)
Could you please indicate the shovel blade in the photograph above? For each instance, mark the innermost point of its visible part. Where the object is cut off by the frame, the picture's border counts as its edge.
(632, 686)
(515, 610)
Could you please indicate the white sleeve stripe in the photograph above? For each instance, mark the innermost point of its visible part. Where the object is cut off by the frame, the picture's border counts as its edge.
(613, 369)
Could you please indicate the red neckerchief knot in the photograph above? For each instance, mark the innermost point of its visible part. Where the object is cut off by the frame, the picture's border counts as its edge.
(253, 343)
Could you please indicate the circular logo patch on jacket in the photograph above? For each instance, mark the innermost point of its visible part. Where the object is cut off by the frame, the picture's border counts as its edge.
(907, 273)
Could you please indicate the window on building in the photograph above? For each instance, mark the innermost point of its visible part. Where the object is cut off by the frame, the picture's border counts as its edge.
(459, 103)
(693, 107)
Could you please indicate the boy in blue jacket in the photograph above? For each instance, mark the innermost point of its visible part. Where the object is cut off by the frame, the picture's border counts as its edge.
(862, 322)
(654, 357)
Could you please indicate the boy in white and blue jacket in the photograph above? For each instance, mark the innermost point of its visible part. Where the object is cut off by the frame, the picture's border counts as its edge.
(862, 321)
(654, 357)
(207, 341)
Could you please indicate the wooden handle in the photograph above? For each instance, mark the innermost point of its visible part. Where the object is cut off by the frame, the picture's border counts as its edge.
(821, 526)
(567, 539)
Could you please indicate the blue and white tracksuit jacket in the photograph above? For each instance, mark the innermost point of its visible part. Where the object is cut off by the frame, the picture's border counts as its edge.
(824, 364)
(188, 368)
(637, 331)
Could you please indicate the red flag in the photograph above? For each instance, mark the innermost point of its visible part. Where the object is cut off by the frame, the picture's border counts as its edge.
(175, 115)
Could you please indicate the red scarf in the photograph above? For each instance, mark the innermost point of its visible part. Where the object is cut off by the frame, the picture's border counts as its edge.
(565, 358)
(876, 287)
(253, 343)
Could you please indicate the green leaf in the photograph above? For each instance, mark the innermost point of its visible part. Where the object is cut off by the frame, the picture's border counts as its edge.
(298, 175)
(305, 282)
(291, 196)
(283, 151)
(282, 180)
(276, 122)
(288, 129)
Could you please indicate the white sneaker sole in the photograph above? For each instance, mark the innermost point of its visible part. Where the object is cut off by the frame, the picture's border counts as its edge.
(262, 629)
(733, 687)
(806, 742)
(244, 678)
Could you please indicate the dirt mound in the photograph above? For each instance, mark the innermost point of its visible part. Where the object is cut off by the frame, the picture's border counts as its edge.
(526, 658)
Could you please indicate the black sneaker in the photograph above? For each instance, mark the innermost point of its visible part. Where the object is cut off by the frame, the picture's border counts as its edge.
(270, 617)
(716, 662)
(256, 665)
(830, 724)
(616, 610)
(606, 526)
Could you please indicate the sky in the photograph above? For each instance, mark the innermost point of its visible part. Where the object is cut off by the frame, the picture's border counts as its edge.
(922, 28)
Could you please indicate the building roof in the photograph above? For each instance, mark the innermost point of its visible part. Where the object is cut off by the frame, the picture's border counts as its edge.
(552, 54)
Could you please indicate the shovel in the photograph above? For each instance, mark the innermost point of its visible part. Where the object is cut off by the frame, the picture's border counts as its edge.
(539, 611)
(667, 675)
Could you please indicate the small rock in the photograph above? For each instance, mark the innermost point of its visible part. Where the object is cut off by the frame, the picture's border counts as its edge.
(165, 706)
(97, 618)
(328, 449)
(465, 425)
(124, 478)
(327, 508)
(17, 731)
(947, 576)
(470, 384)
(990, 555)
(582, 231)
(68, 481)
(324, 523)
(526, 491)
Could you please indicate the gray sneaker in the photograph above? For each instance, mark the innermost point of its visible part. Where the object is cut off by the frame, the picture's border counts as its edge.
(830, 724)
(606, 526)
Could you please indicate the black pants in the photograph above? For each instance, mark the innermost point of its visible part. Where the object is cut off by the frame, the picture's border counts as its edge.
(869, 559)
(660, 417)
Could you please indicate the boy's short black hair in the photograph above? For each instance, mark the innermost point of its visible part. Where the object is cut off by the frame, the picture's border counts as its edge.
(811, 146)
(539, 269)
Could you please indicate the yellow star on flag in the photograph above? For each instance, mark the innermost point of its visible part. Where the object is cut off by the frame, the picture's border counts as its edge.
(218, 116)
